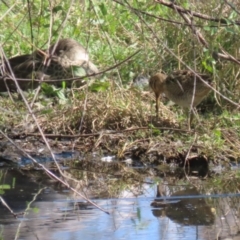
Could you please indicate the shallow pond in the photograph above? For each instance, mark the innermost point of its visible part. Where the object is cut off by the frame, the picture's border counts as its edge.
(50, 211)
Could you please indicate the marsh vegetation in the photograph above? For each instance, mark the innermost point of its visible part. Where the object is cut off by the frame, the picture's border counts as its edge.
(112, 115)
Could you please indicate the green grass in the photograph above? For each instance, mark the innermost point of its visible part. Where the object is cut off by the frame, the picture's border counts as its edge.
(112, 32)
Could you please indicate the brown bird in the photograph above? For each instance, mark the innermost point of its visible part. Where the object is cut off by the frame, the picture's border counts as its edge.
(63, 60)
(179, 87)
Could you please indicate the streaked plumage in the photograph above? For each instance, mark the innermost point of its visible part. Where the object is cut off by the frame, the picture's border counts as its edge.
(179, 88)
(56, 63)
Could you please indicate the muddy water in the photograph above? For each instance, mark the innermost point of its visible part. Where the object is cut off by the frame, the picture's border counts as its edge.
(50, 211)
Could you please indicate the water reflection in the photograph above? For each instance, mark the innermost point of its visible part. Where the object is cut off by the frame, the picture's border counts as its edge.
(192, 210)
(52, 212)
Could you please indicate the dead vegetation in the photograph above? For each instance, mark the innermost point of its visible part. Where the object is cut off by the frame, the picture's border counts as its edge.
(120, 119)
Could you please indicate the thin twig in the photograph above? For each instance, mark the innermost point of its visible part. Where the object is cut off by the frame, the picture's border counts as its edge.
(183, 12)
(26, 211)
(10, 210)
(187, 155)
(109, 44)
(51, 174)
(169, 20)
(195, 14)
(183, 63)
(45, 141)
(99, 133)
(75, 78)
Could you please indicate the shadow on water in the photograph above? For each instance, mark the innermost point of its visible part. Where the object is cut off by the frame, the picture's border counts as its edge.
(152, 211)
(184, 207)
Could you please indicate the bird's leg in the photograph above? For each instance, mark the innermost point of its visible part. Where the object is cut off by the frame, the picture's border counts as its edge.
(189, 117)
(157, 106)
(191, 113)
(196, 114)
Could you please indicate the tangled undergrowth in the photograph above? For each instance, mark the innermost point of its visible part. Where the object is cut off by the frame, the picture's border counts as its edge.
(122, 122)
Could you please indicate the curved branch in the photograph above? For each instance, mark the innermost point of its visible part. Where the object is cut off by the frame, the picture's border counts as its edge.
(196, 14)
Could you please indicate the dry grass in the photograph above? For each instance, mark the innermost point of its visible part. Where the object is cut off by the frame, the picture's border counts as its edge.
(123, 120)
(89, 112)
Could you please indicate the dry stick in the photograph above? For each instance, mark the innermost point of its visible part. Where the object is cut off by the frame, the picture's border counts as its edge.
(195, 14)
(48, 62)
(205, 43)
(16, 28)
(183, 11)
(46, 142)
(48, 55)
(172, 21)
(77, 78)
(50, 173)
(4, 80)
(187, 155)
(70, 79)
(84, 108)
(3, 70)
(10, 210)
(89, 22)
(183, 63)
(100, 133)
(197, 33)
(224, 56)
(30, 20)
(20, 34)
(194, 30)
(51, 23)
(232, 7)
(10, 9)
(25, 212)
(202, 40)
(62, 26)
(59, 29)
(109, 44)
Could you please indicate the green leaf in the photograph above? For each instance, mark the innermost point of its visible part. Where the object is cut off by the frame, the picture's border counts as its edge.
(48, 89)
(57, 9)
(218, 133)
(228, 22)
(35, 209)
(60, 94)
(207, 66)
(230, 30)
(5, 186)
(99, 86)
(155, 131)
(233, 15)
(207, 28)
(46, 25)
(2, 192)
(46, 111)
(78, 71)
(103, 9)
(52, 91)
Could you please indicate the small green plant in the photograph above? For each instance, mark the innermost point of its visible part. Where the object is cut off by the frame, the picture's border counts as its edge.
(52, 91)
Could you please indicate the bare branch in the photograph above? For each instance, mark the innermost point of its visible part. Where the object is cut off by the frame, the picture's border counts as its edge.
(183, 12)
(196, 14)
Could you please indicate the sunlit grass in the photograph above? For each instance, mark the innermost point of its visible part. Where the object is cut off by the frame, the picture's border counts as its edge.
(112, 32)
